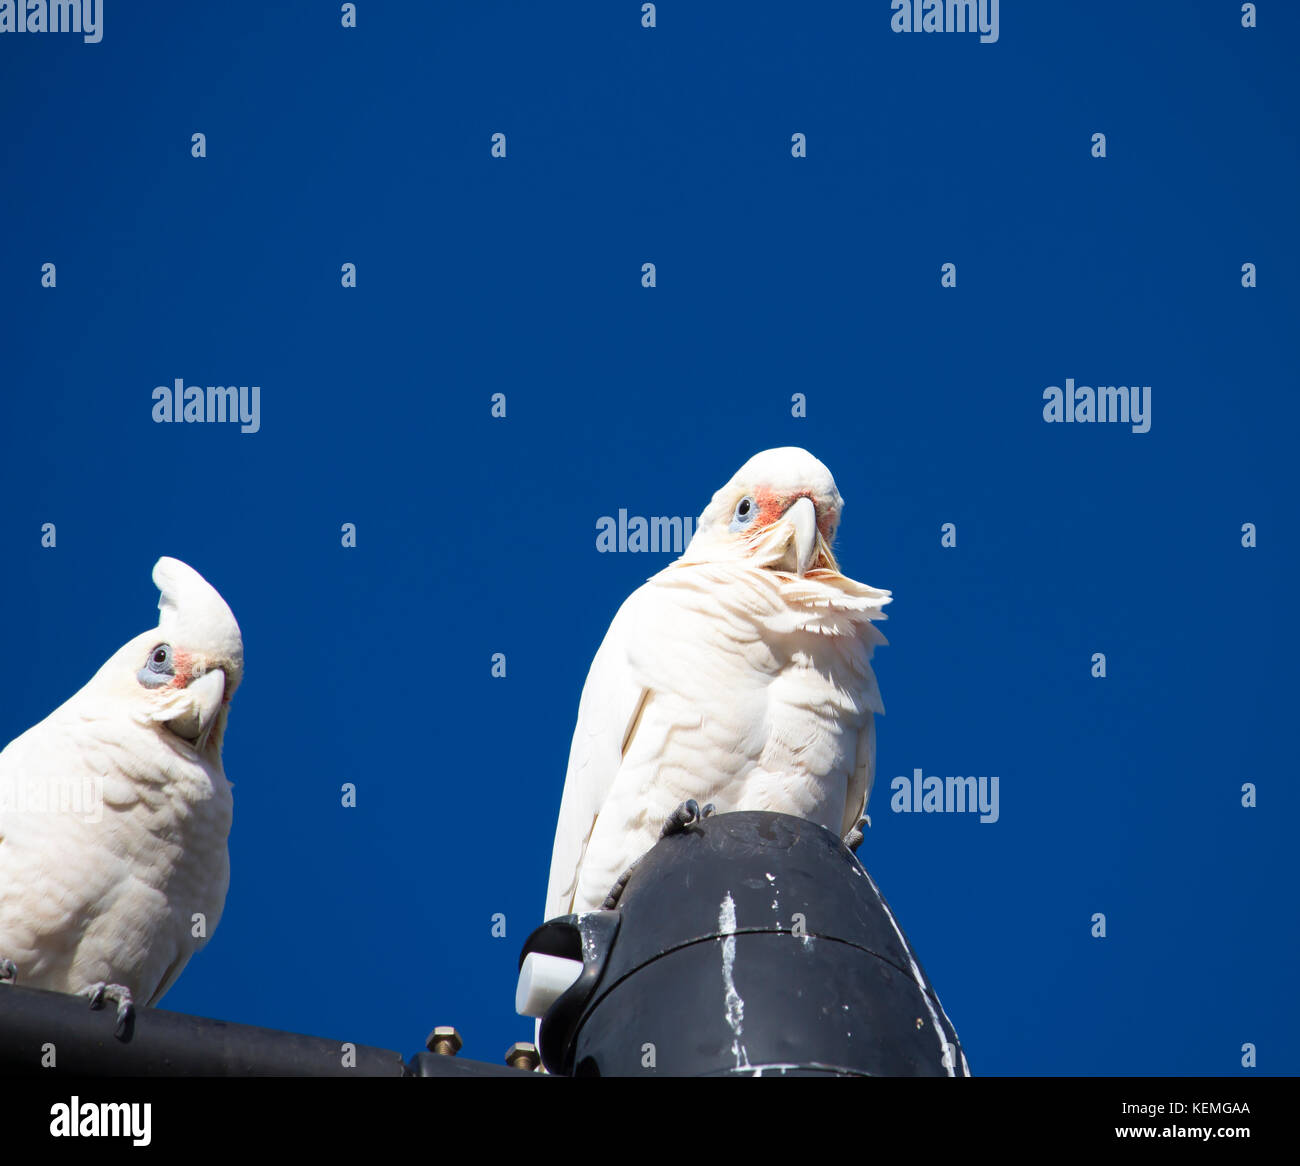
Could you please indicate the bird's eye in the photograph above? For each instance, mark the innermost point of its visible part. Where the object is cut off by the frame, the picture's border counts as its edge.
(158, 670)
(744, 512)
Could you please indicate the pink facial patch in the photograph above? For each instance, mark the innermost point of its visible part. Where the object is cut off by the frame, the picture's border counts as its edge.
(182, 666)
(771, 506)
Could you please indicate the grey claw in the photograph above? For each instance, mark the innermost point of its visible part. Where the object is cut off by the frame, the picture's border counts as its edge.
(853, 839)
(616, 891)
(687, 814)
(98, 993)
(8, 972)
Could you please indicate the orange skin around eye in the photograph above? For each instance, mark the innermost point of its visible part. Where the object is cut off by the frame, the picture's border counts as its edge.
(182, 666)
(771, 505)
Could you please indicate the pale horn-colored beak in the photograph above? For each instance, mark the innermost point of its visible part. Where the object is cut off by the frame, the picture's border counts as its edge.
(802, 517)
(203, 703)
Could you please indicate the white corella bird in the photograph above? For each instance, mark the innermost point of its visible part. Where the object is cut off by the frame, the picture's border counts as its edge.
(739, 676)
(115, 811)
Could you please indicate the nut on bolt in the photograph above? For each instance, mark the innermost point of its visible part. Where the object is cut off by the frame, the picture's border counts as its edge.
(444, 1040)
(523, 1055)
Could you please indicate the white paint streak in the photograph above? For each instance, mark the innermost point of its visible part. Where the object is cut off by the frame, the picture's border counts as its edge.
(735, 1006)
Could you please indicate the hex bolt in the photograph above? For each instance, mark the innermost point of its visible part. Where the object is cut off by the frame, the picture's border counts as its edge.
(444, 1040)
(523, 1055)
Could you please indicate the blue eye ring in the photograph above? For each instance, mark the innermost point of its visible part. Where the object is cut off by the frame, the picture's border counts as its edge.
(158, 669)
(743, 516)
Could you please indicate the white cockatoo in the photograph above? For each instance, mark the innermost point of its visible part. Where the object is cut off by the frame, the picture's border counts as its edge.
(739, 675)
(115, 811)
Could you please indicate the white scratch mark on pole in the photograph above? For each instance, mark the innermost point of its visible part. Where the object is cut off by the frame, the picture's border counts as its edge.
(735, 1006)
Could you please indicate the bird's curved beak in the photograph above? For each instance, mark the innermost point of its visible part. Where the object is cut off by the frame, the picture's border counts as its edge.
(199, 711)
(801, 550)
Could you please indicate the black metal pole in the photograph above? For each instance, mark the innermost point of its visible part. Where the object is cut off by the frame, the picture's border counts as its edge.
(53, 1033)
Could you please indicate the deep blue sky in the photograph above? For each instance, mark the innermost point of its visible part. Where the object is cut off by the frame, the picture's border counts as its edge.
(775, 275)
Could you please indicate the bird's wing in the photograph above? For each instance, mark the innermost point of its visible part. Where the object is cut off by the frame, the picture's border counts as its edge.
(864, 770)
(862, 777)
(58, 868)
(608, 714)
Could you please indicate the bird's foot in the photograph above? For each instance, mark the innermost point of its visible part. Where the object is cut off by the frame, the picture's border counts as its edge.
(100, 992)
(853, 839)
(8, 971)
(616, 891)
(687, 814)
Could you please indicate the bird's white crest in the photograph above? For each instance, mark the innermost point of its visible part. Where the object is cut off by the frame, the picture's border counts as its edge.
(739, 675)
(192, 612)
